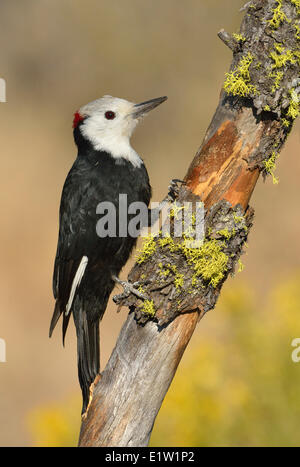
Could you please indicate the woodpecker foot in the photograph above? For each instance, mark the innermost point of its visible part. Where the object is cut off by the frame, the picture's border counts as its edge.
(128, 289)
(173, 189)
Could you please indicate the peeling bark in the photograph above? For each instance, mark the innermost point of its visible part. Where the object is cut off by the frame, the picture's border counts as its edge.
(245, 133)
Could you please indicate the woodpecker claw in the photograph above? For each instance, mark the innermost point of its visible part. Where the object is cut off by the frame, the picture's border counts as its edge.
(173, 189)
(128, 289)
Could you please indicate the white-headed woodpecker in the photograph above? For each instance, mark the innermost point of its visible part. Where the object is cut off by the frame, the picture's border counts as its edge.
(86, 265)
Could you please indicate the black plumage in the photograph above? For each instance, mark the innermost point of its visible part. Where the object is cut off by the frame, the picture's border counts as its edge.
(95, 177)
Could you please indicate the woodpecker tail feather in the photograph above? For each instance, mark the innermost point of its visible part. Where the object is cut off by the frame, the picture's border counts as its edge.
(55, 317)
(88, 352)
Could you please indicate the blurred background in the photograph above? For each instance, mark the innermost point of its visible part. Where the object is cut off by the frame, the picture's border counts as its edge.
(237, 383)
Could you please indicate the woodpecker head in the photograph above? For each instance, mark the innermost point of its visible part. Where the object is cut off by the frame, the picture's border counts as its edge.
(107, 123)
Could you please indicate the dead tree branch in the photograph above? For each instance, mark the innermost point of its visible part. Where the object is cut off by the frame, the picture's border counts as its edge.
(257, 108)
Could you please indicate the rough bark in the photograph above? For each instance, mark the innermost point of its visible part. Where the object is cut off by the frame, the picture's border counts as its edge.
(255, 114)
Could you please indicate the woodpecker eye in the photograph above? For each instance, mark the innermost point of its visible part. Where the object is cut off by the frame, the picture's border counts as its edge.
(110, 115)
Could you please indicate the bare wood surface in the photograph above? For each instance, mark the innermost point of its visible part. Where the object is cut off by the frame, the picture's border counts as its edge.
(143, 358)
(243, 135)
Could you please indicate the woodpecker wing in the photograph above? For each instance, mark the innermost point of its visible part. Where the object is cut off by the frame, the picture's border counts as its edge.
(77, 236)
(79, 246)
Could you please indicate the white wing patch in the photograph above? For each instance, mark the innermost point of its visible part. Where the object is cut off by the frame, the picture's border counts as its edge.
(76, 282)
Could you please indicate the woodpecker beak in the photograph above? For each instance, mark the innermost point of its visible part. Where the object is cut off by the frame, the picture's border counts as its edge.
(140, 109)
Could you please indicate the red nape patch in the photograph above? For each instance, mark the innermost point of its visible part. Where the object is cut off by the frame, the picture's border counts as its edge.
(77, 119)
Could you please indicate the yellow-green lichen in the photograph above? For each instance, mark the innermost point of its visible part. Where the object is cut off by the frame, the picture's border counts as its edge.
(278, 76)
(286, 123)
(226, 233)
(297, 34)
(163, 272)
(294, 108)
(239, 37)
(297, 56)
(173, 267)
(237, 82)
(267, 108)
(148, 308)
(270, 166)
(168, 241)
(179, 280)
(282, 56)
(237, 219)
(278, 16)
(208, 261)
(279, 47)
(147, 249)
(297, 5)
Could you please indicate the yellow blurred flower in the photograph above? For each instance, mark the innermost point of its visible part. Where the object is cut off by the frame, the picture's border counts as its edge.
(57, 424)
